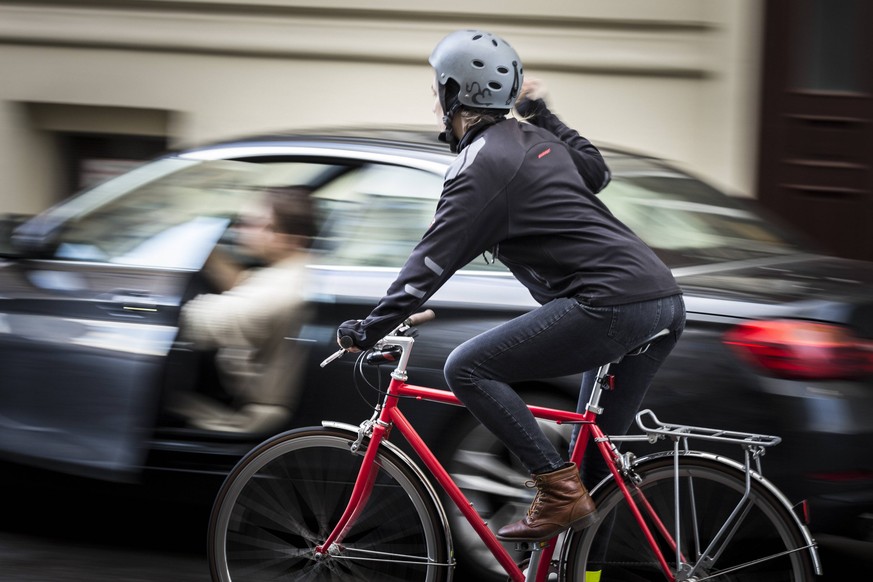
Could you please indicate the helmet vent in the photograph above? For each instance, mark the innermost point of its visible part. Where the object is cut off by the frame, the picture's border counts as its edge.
(502, 70)
(478, 64)
(477, 37)
(494, 85)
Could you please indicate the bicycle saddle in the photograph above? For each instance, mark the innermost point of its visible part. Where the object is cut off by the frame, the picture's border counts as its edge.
(644, 345)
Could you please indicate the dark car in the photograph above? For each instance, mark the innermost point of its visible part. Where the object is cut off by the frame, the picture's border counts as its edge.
(779, 337)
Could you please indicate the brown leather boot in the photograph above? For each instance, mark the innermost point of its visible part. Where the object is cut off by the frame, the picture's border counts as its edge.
(561, 502)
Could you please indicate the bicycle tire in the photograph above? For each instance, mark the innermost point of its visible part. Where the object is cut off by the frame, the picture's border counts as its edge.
(764, 532)
(283, 498)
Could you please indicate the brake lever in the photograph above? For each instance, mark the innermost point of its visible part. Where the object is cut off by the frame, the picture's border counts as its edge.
(336, 355)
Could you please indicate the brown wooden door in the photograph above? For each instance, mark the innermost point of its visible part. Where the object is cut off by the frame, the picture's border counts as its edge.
(817, 121)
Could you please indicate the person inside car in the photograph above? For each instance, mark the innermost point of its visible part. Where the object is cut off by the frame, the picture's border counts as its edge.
(524, 192)
(253, 323)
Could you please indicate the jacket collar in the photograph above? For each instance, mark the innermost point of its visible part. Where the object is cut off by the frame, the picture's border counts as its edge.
(475, 131)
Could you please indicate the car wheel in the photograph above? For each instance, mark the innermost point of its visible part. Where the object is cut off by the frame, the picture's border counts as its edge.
(493, 479)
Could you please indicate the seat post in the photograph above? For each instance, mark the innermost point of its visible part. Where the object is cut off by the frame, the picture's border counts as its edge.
(536, 554)
(597, 390)
(603, 371)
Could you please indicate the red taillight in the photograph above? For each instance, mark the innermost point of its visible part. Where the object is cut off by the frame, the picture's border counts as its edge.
(803, 349)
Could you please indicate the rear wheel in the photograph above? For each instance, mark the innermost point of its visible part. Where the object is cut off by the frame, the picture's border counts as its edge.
(763, 543)
(284, 498)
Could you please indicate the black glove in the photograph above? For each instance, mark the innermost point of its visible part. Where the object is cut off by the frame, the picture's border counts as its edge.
(531, 108)
(351, 334)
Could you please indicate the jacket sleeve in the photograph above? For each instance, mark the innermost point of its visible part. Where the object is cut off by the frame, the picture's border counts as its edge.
(248, 315)
(586, 156)
(466, 223)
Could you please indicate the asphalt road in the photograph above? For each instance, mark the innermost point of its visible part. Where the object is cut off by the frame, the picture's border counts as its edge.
(29, 558)
(56, 529)
(34, 558)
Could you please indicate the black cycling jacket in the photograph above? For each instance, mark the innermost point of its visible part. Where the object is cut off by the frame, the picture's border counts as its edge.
(525, 192)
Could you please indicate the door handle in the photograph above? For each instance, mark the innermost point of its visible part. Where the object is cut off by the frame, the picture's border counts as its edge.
(128, 303)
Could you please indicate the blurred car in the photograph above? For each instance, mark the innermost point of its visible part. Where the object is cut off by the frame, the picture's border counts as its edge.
(779, 337)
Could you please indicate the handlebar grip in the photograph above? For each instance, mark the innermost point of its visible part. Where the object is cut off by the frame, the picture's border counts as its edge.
(346, 342)
(421, 317)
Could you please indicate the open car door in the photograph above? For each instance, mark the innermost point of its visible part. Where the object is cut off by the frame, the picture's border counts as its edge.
(89, 308)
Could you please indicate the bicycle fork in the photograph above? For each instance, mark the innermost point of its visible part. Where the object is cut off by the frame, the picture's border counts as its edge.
(363, 484)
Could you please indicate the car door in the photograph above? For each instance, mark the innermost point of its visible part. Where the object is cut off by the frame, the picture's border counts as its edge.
(88, 312)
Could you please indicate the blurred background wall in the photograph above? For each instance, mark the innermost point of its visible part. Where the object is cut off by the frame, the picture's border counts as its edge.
(88, 88)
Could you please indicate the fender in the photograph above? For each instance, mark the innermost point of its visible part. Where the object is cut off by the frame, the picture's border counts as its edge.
(417, 471)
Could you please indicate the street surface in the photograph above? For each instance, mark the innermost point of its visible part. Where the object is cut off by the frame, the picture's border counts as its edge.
(29, 558)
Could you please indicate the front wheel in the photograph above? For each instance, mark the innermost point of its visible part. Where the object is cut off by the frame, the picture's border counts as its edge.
(284, 498)
(763, 542)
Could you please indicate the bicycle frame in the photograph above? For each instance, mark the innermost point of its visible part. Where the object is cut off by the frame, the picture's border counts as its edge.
(388, 415)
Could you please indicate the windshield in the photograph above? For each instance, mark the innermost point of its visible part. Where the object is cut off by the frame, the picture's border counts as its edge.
(688, 222)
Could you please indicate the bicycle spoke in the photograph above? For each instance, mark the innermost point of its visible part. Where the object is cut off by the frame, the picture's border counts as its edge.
(391, 557)
(751, 563)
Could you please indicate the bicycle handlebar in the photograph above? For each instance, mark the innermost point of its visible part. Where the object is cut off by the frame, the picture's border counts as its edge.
(417, 319)
(346, 342)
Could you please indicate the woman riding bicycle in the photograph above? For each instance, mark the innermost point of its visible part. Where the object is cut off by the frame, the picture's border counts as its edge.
(525, 193)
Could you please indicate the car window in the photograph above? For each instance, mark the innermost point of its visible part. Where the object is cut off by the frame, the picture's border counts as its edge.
(688, 222)
(168, 215)
(376, 215)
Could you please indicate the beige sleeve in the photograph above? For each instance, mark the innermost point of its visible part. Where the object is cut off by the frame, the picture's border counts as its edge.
(246, 315)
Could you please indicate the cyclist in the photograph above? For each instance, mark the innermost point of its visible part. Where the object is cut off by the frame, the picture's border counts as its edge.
(525, 193)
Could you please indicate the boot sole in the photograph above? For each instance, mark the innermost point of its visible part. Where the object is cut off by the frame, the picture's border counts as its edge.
(585, 521)
(580, 524)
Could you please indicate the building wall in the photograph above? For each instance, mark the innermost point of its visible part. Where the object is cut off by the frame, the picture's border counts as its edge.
(675, 78)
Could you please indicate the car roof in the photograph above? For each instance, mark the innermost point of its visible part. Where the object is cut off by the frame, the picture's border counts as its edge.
(414, 141)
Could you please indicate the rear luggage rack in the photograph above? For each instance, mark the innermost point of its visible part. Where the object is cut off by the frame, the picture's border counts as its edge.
(681, 431)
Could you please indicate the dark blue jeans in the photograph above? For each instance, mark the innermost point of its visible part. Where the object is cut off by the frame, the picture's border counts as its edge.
(561, 338)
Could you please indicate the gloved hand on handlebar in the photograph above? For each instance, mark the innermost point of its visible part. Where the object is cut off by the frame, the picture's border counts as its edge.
(352, 337)
(351, 331)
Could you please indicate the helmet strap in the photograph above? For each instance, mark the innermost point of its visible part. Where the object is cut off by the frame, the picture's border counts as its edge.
(448, 134)
(513, 94)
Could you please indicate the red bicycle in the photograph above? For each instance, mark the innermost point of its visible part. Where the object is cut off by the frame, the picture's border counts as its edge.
(340, 502)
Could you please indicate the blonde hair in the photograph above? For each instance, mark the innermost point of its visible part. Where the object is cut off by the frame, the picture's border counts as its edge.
(471, 117)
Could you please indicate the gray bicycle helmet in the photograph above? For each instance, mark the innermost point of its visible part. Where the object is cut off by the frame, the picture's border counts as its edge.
(487, 70)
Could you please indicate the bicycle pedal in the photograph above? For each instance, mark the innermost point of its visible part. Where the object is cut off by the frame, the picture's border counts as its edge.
(531, 546)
